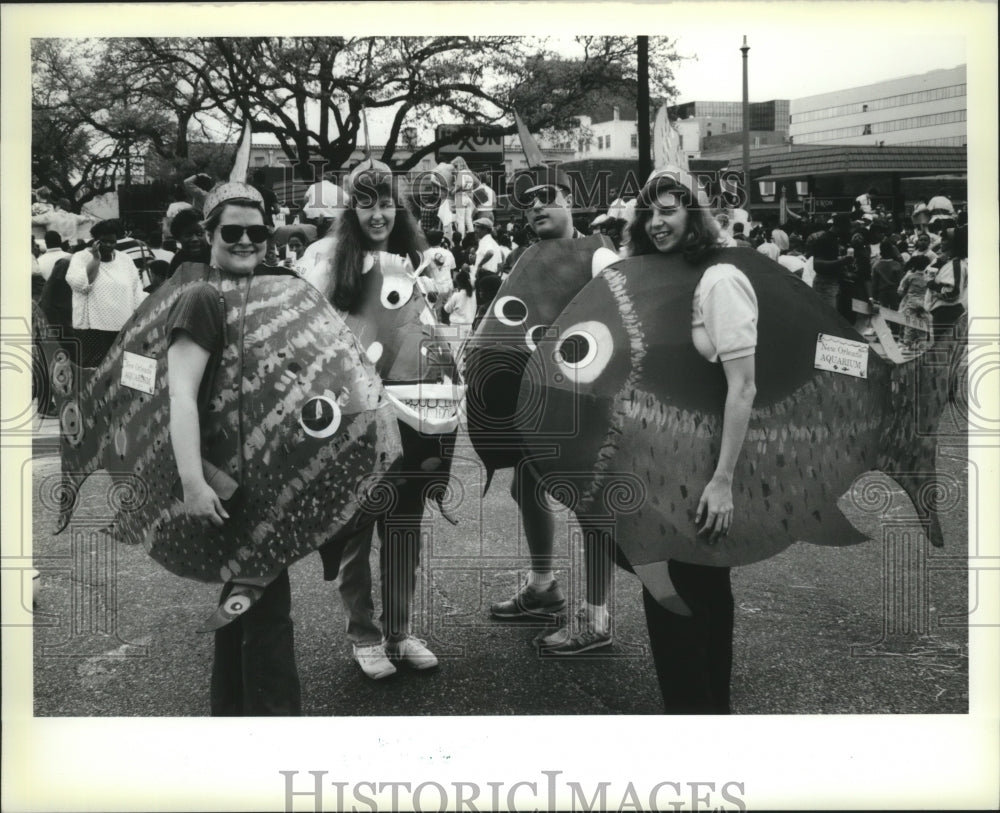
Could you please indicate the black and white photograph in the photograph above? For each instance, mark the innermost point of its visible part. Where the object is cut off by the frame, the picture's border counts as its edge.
(500, 406)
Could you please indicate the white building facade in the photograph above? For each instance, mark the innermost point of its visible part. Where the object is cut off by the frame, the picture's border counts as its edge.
(927, 109)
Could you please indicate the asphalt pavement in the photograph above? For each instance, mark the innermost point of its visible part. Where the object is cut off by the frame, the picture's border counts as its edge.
(879, 627)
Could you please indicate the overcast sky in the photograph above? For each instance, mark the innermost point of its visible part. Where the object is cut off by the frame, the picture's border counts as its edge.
(782, 66)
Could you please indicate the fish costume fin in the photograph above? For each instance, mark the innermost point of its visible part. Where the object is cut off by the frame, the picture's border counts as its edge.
(83, 437)
(245, 593)
(655, 577)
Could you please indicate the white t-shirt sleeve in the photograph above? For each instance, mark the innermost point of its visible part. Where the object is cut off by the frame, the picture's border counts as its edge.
(724, 314)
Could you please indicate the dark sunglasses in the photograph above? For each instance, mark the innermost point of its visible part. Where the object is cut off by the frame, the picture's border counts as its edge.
(545, 195)
(233, 234)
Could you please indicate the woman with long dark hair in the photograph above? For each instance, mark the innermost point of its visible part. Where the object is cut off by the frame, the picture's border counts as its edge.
(693, 655)
(378, 219)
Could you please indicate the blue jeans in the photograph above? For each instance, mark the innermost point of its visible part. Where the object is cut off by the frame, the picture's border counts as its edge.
(399, 557)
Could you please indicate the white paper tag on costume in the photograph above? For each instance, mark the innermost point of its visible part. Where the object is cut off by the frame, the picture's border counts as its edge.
(844, 356)
(138, 372)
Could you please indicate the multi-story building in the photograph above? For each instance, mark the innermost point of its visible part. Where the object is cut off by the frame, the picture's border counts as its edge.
(721, 118)
(927, 109)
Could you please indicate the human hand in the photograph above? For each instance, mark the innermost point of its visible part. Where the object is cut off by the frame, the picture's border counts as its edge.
(715, 509)
(201, 502)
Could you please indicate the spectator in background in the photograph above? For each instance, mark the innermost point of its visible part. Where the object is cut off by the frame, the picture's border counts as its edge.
(739, 239)
(488, 255)
(461, 305)
(792, 258)
(469, 247)
(189, 233)
(323, 205)
(503, 240)
(440, 266)
(53, 253)
(154, 240)
(106, 292)
(56, 302)
(70, 226)
(947, 288)
(912, 289)
(887, 273)
(769, 248)
(271, 207)
(830, 260)
(922, 248)
(177, 206)
(197, 187)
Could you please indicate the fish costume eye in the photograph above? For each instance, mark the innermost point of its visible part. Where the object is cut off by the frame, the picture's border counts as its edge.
(510, 310)
(534, 335)
(584, 352)
(396, 292)
(320, 417)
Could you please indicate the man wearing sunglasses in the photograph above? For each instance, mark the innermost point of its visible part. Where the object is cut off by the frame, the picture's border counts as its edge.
(548, 202)
(548, 208)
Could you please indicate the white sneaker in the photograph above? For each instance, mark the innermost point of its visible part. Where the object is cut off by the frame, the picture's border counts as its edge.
(373, 661)
(412, 651)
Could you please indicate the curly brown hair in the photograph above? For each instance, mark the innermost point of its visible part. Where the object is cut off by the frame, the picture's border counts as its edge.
(701, 234)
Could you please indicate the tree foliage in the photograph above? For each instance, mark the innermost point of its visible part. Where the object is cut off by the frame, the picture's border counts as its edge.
(95, 99)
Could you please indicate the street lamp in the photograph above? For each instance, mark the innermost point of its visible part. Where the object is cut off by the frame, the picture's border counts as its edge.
(745, 49)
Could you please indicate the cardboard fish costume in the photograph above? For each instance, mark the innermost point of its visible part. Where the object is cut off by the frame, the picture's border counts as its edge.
(295, 428)
(399, 333)
(646, 411)
(543, 281)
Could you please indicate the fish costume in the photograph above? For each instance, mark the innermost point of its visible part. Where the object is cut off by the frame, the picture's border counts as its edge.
(542, 282)
(296, 429)
(397, 329)
(637, 414)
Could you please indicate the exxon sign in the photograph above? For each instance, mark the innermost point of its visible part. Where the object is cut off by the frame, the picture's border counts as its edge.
(480, 144)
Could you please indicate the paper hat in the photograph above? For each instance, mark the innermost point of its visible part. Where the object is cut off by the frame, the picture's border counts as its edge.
(232, 192)
(674, 176)
(368, 167)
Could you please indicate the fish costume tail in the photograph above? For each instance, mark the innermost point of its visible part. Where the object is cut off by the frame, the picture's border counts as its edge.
(83, 434)
(923, 388)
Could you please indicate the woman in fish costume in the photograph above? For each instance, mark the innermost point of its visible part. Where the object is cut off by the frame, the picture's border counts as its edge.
(243, 428)
(373, 283)
(644, 387)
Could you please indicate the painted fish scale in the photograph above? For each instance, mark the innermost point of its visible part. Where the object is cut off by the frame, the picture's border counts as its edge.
(271, 525)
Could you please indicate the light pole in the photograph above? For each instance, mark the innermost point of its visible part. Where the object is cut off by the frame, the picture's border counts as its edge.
(746, 125)
(642, 109)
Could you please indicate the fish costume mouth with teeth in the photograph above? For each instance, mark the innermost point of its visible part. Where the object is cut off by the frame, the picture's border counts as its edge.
(296, 431)
(636, 415)
(397, 329)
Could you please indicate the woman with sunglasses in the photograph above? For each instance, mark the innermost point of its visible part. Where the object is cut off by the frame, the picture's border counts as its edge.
(253, 672)
(378, 219)
(693, 655)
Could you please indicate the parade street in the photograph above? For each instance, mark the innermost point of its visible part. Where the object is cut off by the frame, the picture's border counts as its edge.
(876, 628)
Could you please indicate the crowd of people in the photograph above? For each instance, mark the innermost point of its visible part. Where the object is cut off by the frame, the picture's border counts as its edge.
(917, 264)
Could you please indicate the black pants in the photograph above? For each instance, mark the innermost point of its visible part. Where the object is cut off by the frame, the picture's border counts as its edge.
(254, 673)
(693, 655)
